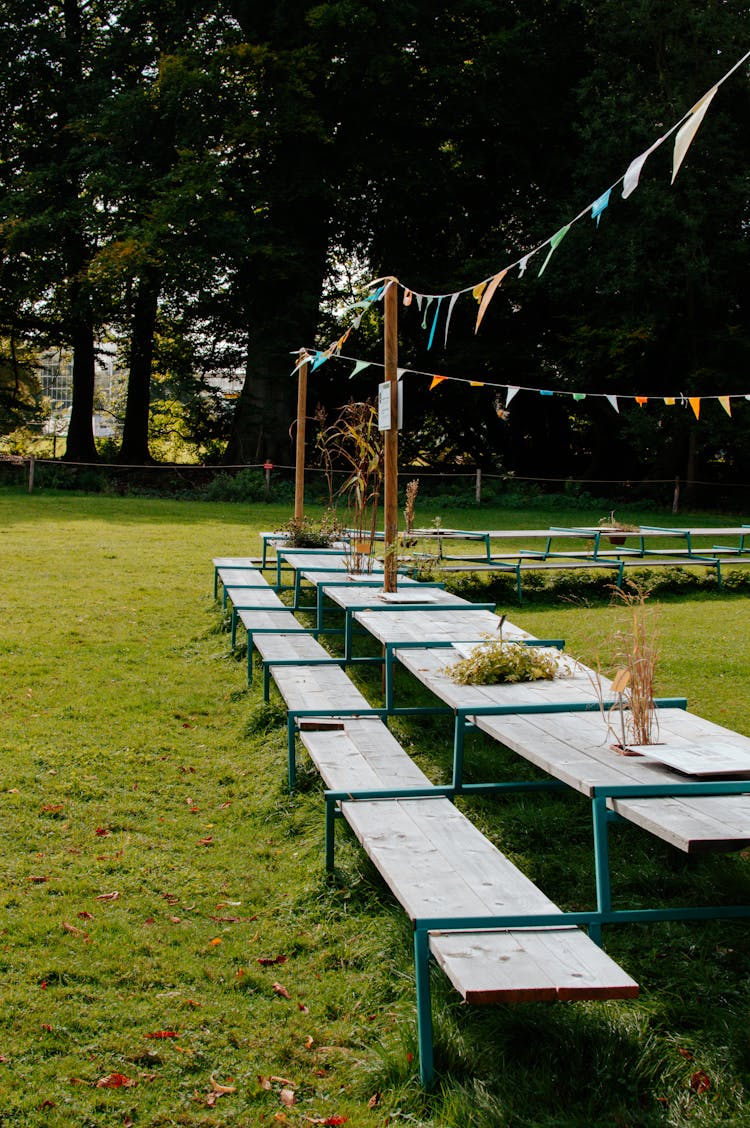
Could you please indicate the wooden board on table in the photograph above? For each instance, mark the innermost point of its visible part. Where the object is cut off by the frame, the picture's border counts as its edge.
(439, 865)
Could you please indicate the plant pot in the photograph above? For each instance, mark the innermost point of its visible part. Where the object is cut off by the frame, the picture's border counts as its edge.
(616, 540)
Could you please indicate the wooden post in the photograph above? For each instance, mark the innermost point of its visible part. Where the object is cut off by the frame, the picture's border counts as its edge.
(299, 475)
(676, 496)
(32, 463)
(478, 488)
(390, 467)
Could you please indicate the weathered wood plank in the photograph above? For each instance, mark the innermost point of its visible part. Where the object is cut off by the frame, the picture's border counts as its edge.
(521, 964)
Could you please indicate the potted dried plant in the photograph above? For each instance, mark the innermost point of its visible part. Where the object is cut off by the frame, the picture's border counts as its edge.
(616, 530)
(354, 442)
(632, 720)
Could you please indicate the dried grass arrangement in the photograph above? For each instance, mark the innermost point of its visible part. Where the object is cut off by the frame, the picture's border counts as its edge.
(633, 719)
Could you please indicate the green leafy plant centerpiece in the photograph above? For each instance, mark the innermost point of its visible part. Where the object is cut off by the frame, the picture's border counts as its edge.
(303, 532)
(497, 661)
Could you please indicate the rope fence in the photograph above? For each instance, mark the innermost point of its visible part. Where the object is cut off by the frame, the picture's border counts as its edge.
(482, 484)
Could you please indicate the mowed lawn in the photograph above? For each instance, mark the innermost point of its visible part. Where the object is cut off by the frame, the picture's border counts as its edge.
(172, 951)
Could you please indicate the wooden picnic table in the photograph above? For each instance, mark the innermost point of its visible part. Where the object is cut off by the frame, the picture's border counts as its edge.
(559, 727)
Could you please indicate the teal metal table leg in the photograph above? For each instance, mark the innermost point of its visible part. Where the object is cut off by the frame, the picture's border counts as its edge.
(424, 1006)
(600, 815)
(330, 833)
(291, 760)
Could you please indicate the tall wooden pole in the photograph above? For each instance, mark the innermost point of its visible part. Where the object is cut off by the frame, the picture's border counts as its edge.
(390, 468)
(299, 474)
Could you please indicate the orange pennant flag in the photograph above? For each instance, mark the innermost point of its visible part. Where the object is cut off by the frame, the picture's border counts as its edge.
(437, 380)
(408, 297)
(479, 290)
(695, 403)
(669, 401)
(641, 400)
(726, 403)
(488, 296)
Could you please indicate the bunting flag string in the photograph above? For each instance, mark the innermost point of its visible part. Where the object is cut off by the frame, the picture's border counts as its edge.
(685, 129)
(317, 357)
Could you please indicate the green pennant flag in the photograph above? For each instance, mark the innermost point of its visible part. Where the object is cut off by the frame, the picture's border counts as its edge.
(554, 243)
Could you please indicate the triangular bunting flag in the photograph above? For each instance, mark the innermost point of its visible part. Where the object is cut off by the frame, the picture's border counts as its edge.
(579, 395)
(726, 403)
(641, 400)
(408, 297)
(523, 264)
(489, 293)
(615, 404)
(545, 393)
(437, 380)
(426, 308)
(632, 176)
(510, 393)
(476, 384)
(669, 401)
(359, 367)
(687, 132)
(599, 205)
(479, 290)
(434, 323)
(401, 372)
(554, 243)
(695, 403)
(320, 358)
(454, 299)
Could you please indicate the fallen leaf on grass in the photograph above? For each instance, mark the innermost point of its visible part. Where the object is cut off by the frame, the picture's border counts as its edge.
(700, 1082)
(85, 915)
(162, 1034)
(225, 920)
(217, 1091)
(374, 1100)
(71, 928)
(331, 1120)
(52, 808)
(115, 1081)
(266, 961)
(216, 940)
(108, 896)
(37, 879)
(287, 1097)
(281, 990)
(301, 1007)
(102, 832)
(686, 1054)
(205, 841)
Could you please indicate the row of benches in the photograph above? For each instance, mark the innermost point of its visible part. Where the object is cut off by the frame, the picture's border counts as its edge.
(495, 935)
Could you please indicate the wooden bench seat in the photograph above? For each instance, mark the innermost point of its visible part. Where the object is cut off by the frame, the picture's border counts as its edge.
(252, 599)
(591, 563)
(440, 867)
(298, 648)
(230, 563)
(258, 623)
(239, 578)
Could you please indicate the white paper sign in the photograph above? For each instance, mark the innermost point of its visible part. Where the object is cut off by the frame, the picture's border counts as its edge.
(384, 406)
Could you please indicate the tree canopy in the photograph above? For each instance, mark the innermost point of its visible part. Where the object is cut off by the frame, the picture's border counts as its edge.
(203, 179)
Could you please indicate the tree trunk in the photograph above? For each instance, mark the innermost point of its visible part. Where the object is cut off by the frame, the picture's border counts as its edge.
(80, 446)
(134, 449)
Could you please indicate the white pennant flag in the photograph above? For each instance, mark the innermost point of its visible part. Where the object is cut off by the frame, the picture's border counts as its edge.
(687, 132)
(510, 392)
(632, 176)
(613, 401)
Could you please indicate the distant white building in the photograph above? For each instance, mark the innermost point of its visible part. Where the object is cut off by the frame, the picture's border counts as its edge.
(56, 378)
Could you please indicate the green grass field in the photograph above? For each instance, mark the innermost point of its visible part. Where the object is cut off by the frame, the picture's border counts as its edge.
(172, 951)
